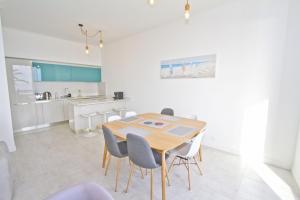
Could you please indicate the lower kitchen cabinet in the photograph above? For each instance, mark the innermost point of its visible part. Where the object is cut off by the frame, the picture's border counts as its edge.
(30, 115)
(53, 112)
(40, 119)
(24, 116)
(66, 110)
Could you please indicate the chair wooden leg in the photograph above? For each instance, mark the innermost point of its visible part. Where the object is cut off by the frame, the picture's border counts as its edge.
(108, 162)
(189, 173)
(179, 161)
(142, 172)
(104, 156)
(198, 166)
(129, 178)
(118, 162)
(167, 175)
(146, 172)
(200, 153)
(172, 163)
(151, 184)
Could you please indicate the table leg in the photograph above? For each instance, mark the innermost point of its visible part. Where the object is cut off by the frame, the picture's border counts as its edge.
(163, 175)
(104, 156)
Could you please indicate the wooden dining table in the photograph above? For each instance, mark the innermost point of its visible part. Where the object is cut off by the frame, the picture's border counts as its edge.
(161, 134)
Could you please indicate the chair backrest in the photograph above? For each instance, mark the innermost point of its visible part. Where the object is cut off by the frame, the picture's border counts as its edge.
(189, 116)
(167, 111)
(111, 142)
(113, 118)
(86, 191)
(140, 152)
(130, 114)
(195, 145)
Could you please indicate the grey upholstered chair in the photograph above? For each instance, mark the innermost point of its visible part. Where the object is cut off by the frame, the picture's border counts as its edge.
(87, 191)
(116, 149)
(167, 111)
(141, 154)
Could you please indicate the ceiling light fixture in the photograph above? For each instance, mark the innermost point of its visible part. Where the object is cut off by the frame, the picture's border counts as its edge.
(151, 2)
(187, 10)
(84, 32)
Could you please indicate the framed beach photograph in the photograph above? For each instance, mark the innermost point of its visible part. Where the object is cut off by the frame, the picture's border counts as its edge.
(193, 67)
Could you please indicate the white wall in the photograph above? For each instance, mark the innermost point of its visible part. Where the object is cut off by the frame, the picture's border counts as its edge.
(6, 132)
(22, 44)
(285, 115)
(249, 40)
(296, 166)
(293, 49)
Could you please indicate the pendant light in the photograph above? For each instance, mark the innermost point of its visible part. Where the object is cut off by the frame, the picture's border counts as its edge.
(187, 10)
(86, 44)
(84, 32)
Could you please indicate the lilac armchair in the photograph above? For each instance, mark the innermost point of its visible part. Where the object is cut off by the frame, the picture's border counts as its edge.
(87, 191)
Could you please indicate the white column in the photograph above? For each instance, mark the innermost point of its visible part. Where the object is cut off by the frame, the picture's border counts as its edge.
(6, 129)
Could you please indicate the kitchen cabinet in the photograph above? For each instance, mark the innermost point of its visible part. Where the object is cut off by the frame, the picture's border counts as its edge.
(53, 111)
(83, 74)
(56, 72)
(66, 110)
(24, 116)
(40, 119)
(32, 115)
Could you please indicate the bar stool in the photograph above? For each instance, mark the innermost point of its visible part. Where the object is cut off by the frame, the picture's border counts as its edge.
(130, 114)
(107, 114)
(121, 111)
(89, 117)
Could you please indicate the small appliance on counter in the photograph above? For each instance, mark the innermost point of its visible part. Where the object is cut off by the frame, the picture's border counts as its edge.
(67, 93)
(47, 95)
(38, 96)
(118, 95)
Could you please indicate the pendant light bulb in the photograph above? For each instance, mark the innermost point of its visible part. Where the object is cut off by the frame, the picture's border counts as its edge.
(187, 9)
(151, 2)
(87, 49)
(101, 44)
(101, 40)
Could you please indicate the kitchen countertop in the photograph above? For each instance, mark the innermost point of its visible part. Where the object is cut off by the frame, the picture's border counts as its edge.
(93, 101)
(74, 100)
(38, 101)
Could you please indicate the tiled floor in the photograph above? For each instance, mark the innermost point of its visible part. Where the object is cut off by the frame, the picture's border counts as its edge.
(52, 159)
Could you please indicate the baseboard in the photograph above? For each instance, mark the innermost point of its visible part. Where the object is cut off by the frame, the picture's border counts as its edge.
(26, 130)
(296, 177)
(222, 148)
(267, 159)
(276, 163)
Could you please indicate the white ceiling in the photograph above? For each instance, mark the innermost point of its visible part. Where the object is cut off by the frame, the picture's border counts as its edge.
(117, 18)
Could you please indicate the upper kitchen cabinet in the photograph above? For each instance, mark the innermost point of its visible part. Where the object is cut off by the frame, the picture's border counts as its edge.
(84, 74)
(56, 72)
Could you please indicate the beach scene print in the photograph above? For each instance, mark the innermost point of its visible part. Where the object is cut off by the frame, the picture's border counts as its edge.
(193, 67)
